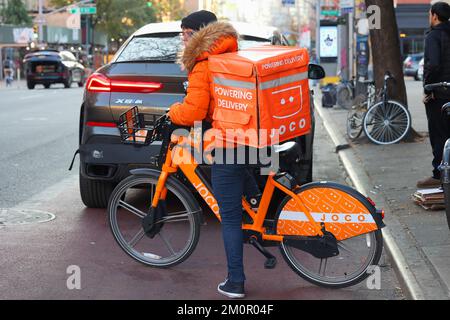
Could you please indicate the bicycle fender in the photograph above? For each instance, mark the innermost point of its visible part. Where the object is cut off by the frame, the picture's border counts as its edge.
(342, 210)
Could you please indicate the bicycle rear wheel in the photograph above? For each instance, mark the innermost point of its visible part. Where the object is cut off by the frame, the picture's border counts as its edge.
(356, 254)
(355, 120)
(387, 122)
(130, 203)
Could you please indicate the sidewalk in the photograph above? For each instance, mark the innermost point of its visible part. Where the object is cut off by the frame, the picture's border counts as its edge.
(22, 84)
(418, 241)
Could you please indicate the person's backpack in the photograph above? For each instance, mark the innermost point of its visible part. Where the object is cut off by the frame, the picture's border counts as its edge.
(262, 90)
(7, 64)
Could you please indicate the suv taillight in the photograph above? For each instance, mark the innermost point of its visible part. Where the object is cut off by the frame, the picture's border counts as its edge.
(100, 83)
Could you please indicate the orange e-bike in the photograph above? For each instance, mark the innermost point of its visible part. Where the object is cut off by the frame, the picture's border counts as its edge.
(328, 233)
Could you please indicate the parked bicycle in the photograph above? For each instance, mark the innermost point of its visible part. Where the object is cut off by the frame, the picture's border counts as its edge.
(345, 93)
(445, 165)
(329, 234)
(355, 117)
(383, 120)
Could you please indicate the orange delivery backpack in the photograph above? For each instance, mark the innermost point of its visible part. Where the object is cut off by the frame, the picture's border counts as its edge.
(263, 90)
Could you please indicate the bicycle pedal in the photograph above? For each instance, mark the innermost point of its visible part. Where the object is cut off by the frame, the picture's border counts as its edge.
(270, 263)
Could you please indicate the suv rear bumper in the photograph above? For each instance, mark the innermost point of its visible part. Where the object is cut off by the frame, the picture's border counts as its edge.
(46, 79)
(105, 157)
(114, 162)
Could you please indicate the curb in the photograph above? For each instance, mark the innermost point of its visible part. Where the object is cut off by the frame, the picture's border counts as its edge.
(360, 180)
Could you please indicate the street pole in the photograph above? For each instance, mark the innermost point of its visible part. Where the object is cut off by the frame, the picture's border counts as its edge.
(351, 52)
(318, 31)
(299, 35)
(87, 40)
(41, 23)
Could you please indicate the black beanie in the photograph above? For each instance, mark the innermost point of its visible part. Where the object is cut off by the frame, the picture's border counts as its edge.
(198, 20)
(442, 9)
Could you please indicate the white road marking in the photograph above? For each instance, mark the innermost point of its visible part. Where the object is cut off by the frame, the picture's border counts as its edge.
(32, 97)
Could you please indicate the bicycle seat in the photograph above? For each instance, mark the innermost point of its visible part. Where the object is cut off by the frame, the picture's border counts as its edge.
(289, 151)
(285, 147)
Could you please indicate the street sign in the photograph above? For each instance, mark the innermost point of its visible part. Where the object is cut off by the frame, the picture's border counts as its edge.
(347, 6)
(330, 13)
(83, 10)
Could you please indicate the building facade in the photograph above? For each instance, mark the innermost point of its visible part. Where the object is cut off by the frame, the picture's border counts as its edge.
(413, 23)
(297, 21)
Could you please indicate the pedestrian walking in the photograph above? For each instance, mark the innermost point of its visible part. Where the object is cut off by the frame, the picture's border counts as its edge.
(8, 71)
(203, 36)
(437, 69)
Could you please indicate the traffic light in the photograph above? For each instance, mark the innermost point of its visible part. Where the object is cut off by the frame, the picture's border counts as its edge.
(149, 4)
(35, 32)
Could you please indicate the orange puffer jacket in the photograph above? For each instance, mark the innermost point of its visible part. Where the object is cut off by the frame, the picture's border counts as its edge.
(198, 105)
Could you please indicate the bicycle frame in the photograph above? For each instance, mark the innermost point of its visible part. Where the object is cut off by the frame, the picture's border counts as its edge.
(445, 165)
(179, 156)
(186, 163)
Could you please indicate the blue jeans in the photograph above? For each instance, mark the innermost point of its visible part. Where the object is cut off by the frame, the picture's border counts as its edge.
(230, 182)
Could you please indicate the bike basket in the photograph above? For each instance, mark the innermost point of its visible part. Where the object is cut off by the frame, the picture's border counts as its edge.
(138, 128)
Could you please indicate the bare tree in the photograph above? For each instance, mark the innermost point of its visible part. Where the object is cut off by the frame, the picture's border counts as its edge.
(386, 53)
(386, 49)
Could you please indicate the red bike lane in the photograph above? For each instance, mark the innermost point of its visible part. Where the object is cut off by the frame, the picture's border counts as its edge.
(38, 261)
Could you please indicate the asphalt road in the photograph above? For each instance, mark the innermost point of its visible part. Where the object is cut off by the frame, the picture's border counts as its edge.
(38, 137)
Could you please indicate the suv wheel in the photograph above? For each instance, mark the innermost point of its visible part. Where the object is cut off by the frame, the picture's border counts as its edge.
(95, 193)
(30, 85)
(68, 83)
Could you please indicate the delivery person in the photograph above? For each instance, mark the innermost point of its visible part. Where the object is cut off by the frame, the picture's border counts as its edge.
(204, 36)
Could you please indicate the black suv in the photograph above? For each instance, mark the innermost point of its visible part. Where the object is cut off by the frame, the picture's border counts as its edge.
(47, 67)
(144, 73)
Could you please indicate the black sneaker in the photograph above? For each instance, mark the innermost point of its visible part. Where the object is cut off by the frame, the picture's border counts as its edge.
(231, 289)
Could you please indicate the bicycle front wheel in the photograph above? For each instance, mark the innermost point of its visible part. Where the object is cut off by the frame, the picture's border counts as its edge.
(387, 122)
(131, 202)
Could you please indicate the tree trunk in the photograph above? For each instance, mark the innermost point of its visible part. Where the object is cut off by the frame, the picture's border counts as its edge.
(386, 54)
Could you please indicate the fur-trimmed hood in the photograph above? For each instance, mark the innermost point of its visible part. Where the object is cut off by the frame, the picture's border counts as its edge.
(215, 38)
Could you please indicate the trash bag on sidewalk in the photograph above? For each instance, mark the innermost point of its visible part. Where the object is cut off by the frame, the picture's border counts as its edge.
(329, 96)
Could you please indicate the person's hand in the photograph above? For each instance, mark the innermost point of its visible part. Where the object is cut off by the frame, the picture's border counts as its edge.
(428, 97)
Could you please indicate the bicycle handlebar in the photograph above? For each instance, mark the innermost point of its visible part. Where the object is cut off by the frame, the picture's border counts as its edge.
(430, 87)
